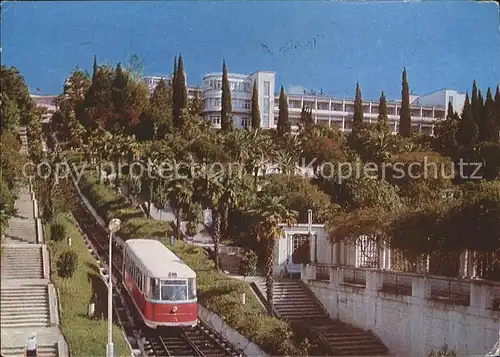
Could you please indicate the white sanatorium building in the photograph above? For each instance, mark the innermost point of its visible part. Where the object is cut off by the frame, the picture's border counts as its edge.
(336, 112)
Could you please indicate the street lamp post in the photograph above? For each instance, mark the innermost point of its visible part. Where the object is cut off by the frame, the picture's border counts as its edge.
(114, 226)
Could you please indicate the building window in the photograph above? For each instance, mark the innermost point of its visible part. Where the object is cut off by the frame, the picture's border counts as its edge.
(267, 88)
(245, 122)
(266, 106)
(215, 119)
(246, 87)
(247, 104)
(218, 102)
(265, 122)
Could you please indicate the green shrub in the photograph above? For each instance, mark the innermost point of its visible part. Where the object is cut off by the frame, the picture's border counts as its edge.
(57, 232)
(442, 352)
(67, 264)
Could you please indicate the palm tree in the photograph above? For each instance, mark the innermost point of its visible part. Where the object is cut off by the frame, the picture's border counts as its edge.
(270, 214)
(179, 194)
(286, 161)
(259, 153)
(379, 144)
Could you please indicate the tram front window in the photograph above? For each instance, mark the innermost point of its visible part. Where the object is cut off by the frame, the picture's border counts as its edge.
(173, 290)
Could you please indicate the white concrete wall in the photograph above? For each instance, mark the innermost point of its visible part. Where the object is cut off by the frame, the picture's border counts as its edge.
(260, 77)
(435, 98)
(412, 325)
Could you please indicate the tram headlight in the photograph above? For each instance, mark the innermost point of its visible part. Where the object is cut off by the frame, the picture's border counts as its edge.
(174, 309)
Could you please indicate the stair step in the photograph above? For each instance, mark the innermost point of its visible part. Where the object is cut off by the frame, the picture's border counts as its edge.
(43, 351)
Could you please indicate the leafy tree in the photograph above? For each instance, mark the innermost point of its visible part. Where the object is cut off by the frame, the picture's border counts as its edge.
(57, 232)
(382, 113)
(226, 110)
(490, 156)
(283, 125)
(420, 176)
(10, 115)
(195, 106)
(6, 204)
(13, 87)
(300, 195)
(194, 217)
(255, 107)
(67, 264)
(405, 113)
(248, 264)
(357, 121)
(446, 133)
(270, 214)
(156, 119)
(135, 66)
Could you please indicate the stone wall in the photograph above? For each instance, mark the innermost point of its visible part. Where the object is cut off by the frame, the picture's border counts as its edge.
(421, 314)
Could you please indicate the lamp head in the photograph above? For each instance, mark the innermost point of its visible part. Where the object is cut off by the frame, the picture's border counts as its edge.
(114, 225)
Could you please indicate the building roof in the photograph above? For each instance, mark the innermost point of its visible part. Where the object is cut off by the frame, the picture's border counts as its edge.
(229, 75)
(156, 260)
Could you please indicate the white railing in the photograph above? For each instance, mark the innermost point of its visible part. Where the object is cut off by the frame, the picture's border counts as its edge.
(467, 292)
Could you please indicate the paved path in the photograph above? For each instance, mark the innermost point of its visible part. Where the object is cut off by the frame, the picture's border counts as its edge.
(28, 298)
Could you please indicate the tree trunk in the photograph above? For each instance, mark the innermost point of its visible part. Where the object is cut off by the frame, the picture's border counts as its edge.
(150, 198)
(178, 224)
(224, 220)
(216, 237)
(270, 275)
(117, 178)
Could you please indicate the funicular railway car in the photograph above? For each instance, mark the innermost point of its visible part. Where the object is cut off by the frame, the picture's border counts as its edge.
(162, 287)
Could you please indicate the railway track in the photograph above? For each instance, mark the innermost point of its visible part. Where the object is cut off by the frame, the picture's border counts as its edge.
(197, 341)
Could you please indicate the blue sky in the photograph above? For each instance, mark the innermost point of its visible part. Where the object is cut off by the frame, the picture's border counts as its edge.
(320, 45)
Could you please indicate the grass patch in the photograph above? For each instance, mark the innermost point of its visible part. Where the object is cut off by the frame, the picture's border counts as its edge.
(216, 291)
(85, 336)
(107, 203)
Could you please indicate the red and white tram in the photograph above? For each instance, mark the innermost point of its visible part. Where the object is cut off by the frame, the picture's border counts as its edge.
(162, 287)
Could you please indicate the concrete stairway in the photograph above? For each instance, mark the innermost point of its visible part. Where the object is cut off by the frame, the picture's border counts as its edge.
(296, 303)
(24, 306)
(22, 262)
(43, 351)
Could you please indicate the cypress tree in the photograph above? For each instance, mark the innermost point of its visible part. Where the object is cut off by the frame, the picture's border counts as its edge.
(446, 133)
(497, 107)
(94, 70)
(119, 98)
(357, 121)
(175, 115)
(255, 107)
(405, 113)
(474, 103)
(283, 125)
(181, 92)
(467, 133)
(488, 130)
(382, 113)
(225, 114)
(306, 118)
